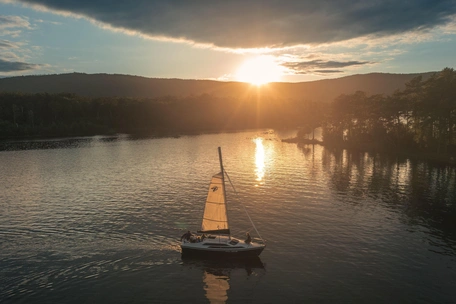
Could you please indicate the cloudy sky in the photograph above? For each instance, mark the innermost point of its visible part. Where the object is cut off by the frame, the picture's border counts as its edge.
(297, 40)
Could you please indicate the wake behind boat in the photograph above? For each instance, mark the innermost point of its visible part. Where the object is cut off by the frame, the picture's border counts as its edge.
(215, 239)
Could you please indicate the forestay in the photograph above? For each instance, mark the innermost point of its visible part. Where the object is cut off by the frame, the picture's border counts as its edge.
(215, 219)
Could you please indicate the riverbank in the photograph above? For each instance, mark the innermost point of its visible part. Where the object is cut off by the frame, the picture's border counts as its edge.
(438, 158)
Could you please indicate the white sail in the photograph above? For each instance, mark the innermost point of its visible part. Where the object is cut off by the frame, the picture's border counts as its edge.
(215, 218)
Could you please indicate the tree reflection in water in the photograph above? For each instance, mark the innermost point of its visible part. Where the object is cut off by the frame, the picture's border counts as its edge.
(424, 192)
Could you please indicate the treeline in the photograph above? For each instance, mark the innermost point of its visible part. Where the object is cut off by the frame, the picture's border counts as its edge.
(42, 115)
(422, 117)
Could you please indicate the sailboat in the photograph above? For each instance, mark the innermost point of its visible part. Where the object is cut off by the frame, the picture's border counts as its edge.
(215, 238)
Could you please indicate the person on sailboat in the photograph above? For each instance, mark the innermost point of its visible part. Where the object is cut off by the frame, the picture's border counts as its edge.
(249, 239)
(186, 236)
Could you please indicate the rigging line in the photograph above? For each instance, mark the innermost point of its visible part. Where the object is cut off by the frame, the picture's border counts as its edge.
(248, 215)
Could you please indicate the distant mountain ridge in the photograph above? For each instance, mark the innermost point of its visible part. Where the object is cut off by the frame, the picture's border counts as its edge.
(116, 85)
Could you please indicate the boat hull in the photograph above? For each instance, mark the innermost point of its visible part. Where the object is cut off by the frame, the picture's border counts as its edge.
(222, 253)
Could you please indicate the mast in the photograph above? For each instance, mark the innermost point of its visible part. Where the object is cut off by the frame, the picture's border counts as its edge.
(223, 181)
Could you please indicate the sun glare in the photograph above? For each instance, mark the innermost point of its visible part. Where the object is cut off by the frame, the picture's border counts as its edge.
(259, 159)
(259, 70)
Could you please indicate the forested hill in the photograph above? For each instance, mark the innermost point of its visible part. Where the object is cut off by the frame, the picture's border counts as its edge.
(110, 85)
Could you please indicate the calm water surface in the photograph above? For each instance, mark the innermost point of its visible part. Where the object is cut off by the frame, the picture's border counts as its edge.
(97, 220)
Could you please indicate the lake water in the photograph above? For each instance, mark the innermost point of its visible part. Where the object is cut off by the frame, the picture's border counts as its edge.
(97, 220)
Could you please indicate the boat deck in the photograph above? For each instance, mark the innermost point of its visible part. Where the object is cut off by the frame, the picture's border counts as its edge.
(221, 245)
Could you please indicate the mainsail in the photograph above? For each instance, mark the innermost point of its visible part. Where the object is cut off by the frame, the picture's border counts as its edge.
(215, 219)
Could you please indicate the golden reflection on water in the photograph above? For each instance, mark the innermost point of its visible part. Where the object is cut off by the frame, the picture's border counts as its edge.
(259, 160)
(216, 287)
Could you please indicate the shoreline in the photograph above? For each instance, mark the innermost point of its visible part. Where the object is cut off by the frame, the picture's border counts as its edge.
(135, 134)
(442, 159)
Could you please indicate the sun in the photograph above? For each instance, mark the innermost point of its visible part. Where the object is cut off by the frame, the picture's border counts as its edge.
(259, 70)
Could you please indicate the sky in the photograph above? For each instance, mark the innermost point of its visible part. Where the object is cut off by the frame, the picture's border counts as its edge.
(256, 41)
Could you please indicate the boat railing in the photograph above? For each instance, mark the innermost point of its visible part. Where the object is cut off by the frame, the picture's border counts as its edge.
(258, 241)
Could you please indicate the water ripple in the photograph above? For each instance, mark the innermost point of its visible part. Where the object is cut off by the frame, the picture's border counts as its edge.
(100, 222)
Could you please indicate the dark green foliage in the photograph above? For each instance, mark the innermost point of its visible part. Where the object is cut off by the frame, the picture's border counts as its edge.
(33, 115)
(422, 117)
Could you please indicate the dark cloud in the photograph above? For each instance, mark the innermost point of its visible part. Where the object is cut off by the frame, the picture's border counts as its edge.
(321, 66)
(260, 23)
(10, 66)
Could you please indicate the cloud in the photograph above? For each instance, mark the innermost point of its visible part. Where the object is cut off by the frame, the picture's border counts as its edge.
(47, 21)
(14, 66)
(13, 22)
(5, 44)
(259, 23)
(321, 66)
(14, 54)
(9, 56)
